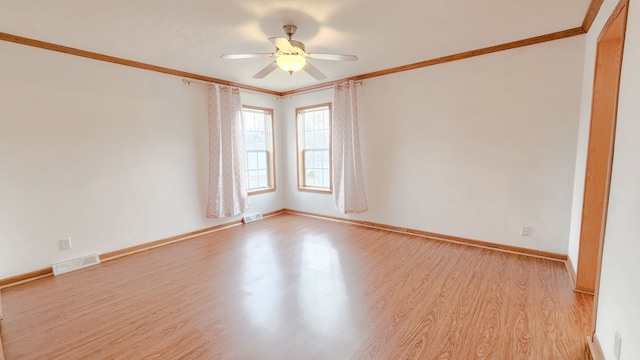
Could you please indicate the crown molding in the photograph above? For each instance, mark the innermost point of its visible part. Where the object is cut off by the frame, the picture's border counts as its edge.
(116, 60)
(593, 9)
(445, 59)
(592, 12)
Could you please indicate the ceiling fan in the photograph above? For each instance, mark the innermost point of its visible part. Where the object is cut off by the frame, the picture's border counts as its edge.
(291, 56)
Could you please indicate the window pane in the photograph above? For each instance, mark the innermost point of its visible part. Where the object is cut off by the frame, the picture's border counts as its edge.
(248, 121)
(319, 139)
(310, 178)
(308, 122)
(307, 159)
(314, 138)
(260, 126)
(260, 140)
(309, 142)
(256, 140)
(248, 140)
(252, 179)
(252, 162)
(262, 160)
(325, 179)
(325, 160)
(258, 145)
(262, 178)
(318, 120)
(318, 157)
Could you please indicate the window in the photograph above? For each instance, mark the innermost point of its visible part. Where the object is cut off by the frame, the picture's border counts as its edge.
(258, 149)
(314, 142)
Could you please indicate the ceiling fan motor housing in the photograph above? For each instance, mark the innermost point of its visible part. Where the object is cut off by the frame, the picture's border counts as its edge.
(290, 30)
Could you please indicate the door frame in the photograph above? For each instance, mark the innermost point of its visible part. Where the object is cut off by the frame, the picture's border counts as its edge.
(604, 110)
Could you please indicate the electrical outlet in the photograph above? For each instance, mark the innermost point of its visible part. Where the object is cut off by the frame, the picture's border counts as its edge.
(616, 345)
(526, 230)
(64, 244)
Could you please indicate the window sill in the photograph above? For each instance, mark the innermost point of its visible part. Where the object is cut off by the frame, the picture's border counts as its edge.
(261, 191)
(315, 190)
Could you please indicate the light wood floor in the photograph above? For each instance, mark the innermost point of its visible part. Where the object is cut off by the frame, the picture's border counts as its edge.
(294, 287)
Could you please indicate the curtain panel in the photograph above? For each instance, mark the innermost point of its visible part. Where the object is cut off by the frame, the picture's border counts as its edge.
(348, 180)
(227, 185)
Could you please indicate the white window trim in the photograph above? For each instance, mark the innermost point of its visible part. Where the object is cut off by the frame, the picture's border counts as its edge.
(271, 161)
(300, 151)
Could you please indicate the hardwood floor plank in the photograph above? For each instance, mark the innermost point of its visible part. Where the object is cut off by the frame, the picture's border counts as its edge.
(299, 287)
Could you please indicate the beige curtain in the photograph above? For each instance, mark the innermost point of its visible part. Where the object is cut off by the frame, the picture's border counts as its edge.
(348, 181)
(227, 185)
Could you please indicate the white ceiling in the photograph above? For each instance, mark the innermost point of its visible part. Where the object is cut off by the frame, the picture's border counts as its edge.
(190, 35)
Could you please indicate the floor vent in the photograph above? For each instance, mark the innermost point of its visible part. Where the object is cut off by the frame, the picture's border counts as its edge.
(251, 218)
(75, 264)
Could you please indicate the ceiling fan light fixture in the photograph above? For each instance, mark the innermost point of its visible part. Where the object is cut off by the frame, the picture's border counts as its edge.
(290, 56)
(291, 63)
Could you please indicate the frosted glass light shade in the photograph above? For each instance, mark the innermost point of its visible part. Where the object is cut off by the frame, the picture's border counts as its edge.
(291, 63)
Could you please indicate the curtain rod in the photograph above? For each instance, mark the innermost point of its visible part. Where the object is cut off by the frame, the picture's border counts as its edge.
(328, 86)
(198, 82)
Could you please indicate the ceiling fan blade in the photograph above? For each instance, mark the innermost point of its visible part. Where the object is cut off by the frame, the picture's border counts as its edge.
(313, 71)
(281, 43)
(333, 57)
(266, 71)
(247, 56)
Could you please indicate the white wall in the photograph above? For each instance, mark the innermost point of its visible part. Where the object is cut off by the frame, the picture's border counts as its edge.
(107, 155)
(114, 157)
(619, 298)
(473, 148)
(294, 199)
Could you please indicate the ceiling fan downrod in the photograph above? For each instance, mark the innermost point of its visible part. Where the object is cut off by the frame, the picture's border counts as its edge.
(290, 30)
